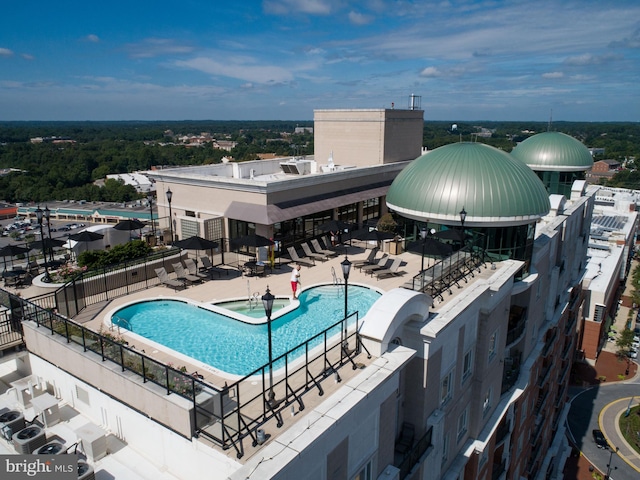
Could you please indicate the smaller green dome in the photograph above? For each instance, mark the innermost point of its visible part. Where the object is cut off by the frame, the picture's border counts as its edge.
(554, 151)
(493, 187)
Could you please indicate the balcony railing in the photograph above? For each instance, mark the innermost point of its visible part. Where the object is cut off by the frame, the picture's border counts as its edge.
(224, 421)
(412, 457)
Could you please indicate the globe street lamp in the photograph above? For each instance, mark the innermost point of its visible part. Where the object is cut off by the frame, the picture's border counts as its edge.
(267, 302)
(153, 227)
(47, 215)
(463, 217)
(608, 475)
(169, 196)
(39, 214)
(346, 268)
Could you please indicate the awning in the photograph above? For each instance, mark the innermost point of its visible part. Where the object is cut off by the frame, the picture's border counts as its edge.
(270, 214)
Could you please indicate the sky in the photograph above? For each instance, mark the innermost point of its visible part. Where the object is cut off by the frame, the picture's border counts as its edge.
(570, 60)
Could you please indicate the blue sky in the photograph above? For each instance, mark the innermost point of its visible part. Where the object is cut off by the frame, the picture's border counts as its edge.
(281, 59)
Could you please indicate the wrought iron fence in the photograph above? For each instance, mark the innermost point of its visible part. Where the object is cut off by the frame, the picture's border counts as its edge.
(225, 415)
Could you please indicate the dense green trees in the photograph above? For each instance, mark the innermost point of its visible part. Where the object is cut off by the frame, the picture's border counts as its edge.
(59, 171)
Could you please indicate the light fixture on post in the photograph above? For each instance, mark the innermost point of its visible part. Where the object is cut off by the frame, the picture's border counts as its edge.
(423, 235)
(267, 302)
(169, 196)
(346, 269)
(39, 214)
(463, 217)
(47, 216)
(153, 227)
(608, 475)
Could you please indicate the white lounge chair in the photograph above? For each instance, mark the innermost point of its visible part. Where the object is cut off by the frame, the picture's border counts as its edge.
(183, 274)
(388, 272)
(192, 268)
(163, 276)
(316, 245)
(301, 260)
(311, 254)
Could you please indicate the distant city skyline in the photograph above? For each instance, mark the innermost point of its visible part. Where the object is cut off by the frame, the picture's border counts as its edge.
(282, 59)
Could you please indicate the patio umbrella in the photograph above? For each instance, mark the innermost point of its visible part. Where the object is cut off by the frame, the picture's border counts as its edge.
(450, 234)
(334, 226)
(129, 224)
(86, 236)
(431, 247)
(373, 235)
(196, 243)
(12, 251)
(47, 244)
(251, 240)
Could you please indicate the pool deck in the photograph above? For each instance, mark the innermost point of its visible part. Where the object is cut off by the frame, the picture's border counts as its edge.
(237, 286)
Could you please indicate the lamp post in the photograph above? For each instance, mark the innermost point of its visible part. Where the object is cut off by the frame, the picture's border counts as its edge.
(423, 235)
(153, 227)
(346, 269)
(47, 215)
(169, 196)
(463, 217)
(608, 475)
(39, 214)
(267, 302)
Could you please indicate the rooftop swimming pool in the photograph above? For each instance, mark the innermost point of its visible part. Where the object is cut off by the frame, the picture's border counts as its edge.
(238, 347)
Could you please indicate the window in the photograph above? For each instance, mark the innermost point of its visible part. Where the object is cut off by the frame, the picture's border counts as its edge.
(523, 412)
(486, 403)
(467, 365)
(364, 473)
(446, 387)
(445, 449)
(462, 423)
(493, 343)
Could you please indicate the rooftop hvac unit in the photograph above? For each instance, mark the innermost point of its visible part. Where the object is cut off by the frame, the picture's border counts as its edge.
(85, 471)
(296, 167)
(51, 448)
(11, 421)
(29, 439)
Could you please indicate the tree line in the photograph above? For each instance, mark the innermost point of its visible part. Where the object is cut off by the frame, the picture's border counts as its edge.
(63, 171)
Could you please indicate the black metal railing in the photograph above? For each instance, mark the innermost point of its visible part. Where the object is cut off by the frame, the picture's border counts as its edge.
(413, 456)
(225, 415)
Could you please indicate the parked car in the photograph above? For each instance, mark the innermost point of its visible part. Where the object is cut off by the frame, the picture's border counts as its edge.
(598, 437)
(633, 353)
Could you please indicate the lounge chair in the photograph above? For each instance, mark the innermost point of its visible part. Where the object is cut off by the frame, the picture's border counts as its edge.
(311, 254)
(388, 272)
(208, 267)
(183, 274)
(379, 265)
(370, 260)
(328, 245)
(309, 262)
(192, 268)
(316, 246)
(169, 282)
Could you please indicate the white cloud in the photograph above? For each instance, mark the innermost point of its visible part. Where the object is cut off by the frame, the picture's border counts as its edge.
(92, 38)
(5, 52)
(430, 72)
(553, 75)
(153, 47)
(359, 18)
(27, 56)
(286, 7)
(589, 59)
(234, 68)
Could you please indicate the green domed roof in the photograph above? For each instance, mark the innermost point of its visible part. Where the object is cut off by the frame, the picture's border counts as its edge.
(554, 151)
(492, 186)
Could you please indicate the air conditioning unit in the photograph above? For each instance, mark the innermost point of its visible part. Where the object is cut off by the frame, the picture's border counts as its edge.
(85, 471)
(51, 448)
(11, 421)
(29, 439)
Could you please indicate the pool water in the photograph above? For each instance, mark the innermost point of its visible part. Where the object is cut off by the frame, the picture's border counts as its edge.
(236, 347)
(253, 309)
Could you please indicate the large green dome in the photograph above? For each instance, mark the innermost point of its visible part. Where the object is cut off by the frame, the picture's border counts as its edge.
(554, 151)
(492, 187)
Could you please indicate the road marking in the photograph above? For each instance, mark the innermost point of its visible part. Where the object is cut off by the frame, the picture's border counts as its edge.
(628, 459)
